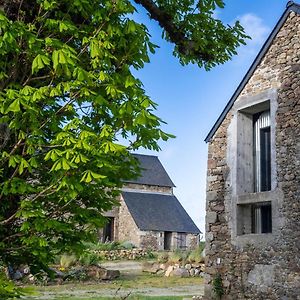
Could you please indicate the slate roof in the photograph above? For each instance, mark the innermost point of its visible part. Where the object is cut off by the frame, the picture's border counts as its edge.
(159, 212)
(291, 6)
(152, 172)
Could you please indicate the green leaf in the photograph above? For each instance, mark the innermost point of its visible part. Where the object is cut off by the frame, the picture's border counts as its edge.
(14, 106)
(39, 63)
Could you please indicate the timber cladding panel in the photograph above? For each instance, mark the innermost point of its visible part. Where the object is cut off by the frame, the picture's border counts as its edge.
(259, 266)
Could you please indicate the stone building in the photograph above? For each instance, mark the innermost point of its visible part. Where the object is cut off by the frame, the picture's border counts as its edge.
(149, 215)
(253, 177)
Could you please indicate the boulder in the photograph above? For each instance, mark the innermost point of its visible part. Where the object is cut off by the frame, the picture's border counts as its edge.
(160, 272)
(152, 268)
(180, 272)
(110, 274)
(192, 272)
(102, 273)
(169, 271)
(17, 275)
(58, 273)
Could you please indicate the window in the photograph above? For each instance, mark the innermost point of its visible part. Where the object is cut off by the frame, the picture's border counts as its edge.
(254, 212)
(252, 159)
(262, 151)
(261, 218)
(254, 218)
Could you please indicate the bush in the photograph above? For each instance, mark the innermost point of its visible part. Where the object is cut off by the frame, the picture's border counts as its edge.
(90, 258)
(8, 290)
(196, 255)
(67, 261)
(178, 256)
(127, 245)
(162, 257)
(105, 246)
(218, 286)
(150, 255)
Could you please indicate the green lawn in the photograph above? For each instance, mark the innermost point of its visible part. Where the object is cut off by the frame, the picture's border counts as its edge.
(130, 285)
(132, 281)
(136, 297)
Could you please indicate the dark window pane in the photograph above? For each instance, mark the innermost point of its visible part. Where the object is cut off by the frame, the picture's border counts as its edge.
(261, 218)
(265, 158)
(266, 218)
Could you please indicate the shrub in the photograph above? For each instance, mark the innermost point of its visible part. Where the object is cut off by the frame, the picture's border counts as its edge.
(106, 246)
(150, 255)
(90, 258)
(67, 260)
(218, 286)
(196, 255)
(127, 245)
(162, 257)
(8, 290)
(178, 256)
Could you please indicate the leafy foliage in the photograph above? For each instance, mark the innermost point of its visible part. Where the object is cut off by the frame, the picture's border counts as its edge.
(196, 254)
(218, 286)
(8, 290)
(67, 98)
(199, 37)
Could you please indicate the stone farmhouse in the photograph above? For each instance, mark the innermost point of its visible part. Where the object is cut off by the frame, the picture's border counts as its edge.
(149, 215)
(253, 183)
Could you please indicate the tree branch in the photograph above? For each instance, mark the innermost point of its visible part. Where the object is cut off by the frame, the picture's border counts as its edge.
(175, 33)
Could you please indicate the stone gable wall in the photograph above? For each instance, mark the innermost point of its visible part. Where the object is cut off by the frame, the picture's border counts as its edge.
(128, 230)
(271, 269)
(148, 188)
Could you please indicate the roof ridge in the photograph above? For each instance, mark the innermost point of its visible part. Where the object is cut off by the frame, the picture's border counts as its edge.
(291, 3)
(150, 155)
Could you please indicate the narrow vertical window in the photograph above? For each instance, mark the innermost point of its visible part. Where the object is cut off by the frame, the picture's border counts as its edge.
(262, 218)
(262, 152)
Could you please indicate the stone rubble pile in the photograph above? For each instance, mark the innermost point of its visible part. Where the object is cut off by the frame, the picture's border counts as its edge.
(58, 275)
(179, 270)
(131, 254)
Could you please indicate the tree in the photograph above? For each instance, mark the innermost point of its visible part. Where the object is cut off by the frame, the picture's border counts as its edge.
(68, 96)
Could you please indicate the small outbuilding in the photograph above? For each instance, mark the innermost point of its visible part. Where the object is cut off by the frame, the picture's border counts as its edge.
(149, 215)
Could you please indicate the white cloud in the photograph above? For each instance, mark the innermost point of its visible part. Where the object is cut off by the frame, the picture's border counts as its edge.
(258, 31)
(254, 27)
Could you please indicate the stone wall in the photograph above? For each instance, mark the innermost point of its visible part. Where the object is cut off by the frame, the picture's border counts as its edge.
(128, 230)
(150, 188)
(192, 241)
(265, 266)
(150, 240)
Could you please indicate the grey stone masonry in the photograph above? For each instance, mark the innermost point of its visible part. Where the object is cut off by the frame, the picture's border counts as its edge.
(262, 265)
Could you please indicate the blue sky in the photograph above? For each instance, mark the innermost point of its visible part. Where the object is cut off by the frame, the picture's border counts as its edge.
(191, 99)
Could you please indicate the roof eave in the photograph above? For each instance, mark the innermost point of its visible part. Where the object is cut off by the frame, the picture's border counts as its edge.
(291, 6)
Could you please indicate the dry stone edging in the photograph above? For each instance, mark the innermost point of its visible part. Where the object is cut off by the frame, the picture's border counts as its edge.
(179, 270)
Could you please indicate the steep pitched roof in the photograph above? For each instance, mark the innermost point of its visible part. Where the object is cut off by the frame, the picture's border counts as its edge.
(159, 212)
(291, 6)
(152, 172)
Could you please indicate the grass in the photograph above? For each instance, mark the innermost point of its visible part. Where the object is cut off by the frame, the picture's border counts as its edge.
(135, 297)
(91, 290)
(128, 281)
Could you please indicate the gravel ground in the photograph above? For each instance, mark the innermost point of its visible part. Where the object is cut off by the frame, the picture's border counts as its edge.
(126, 268)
